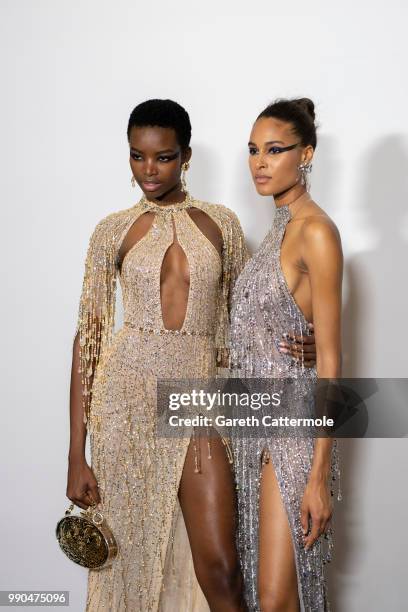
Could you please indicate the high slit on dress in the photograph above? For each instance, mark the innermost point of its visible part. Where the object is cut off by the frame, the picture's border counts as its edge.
(263, 309)
(138, 473)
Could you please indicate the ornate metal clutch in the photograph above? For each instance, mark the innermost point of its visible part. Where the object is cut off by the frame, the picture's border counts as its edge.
(86, 538)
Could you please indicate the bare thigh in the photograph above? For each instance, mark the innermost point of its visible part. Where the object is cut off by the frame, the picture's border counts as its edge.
(208, 502)
(277, 580)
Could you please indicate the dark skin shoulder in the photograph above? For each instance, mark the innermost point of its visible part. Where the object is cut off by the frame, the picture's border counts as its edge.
(208, 227)
(136, 232)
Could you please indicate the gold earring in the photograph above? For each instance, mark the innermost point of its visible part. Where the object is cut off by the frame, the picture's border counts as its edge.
(133, 181)
(184, 168)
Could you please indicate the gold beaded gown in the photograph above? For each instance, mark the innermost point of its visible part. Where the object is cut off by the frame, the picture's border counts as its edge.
(138, 473)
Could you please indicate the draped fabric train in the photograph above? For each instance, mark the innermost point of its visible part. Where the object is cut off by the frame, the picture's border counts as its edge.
(138, 473)
(262, 310)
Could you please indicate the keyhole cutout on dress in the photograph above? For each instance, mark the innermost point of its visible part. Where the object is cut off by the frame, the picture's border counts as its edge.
(174, 268)
(174, 284)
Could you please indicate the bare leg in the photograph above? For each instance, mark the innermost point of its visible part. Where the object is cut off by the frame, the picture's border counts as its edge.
(277, 579)
(208, 503)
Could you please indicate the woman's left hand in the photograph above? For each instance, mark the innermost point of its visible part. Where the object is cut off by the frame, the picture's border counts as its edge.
(300, 348)
(315, 511)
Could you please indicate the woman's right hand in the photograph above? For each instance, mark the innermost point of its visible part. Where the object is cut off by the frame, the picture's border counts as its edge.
(82, 487)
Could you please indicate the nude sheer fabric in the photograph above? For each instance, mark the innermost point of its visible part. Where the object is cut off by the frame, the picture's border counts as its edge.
(137, 473)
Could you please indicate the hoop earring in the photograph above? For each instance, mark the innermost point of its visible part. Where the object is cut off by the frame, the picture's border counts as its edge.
(133, 181)
(305, 170)
(184, 168)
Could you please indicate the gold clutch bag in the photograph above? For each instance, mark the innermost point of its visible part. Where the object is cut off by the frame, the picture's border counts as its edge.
(86, 538)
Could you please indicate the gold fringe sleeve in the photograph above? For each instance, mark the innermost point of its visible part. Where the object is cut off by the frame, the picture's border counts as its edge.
(97, 306)
(234, 256)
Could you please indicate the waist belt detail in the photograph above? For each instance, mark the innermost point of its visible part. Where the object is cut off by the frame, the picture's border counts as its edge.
(163, 331)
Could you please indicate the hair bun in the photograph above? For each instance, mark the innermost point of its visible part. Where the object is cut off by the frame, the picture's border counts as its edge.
(306, 105)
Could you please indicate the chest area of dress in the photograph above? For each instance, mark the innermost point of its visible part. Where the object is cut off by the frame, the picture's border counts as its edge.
(259, 281)
(173, 247)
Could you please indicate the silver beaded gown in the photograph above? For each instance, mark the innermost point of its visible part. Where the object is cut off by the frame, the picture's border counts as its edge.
(262, 310)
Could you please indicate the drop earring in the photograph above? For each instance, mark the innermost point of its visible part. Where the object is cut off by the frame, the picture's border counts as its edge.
(305, 170)
(133, 181)
(184, 168)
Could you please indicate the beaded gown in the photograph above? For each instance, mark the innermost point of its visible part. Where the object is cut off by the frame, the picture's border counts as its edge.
(262, 310)
(139, 473)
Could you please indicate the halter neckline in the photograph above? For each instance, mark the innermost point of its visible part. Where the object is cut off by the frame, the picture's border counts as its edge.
(283, 211)
(286, 206)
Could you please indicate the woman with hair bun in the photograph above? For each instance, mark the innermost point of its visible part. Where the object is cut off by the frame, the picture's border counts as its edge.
(294, 279)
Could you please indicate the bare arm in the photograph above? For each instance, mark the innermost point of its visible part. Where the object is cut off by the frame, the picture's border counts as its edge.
(324, 260)
(82, 488)
(77, 425)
